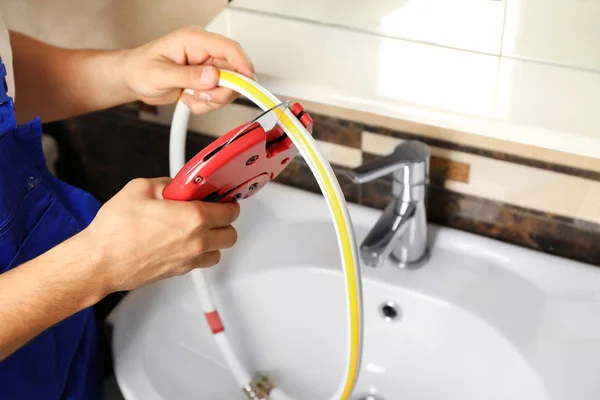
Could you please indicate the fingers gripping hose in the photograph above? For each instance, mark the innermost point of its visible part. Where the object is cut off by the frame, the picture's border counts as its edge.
(332, 192)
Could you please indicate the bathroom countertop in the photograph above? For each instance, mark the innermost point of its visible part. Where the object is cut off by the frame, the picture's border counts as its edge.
(519, 101)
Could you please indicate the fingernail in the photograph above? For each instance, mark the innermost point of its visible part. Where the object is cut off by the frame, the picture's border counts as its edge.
(206, 77)
(204, 96)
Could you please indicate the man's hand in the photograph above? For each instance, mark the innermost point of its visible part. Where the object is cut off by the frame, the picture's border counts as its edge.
(136, 238)
(55, 83)
(188, 58)
(139, 237)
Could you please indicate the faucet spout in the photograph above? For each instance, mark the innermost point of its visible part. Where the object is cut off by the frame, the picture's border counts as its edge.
(400, 234)
(378, 244)
(401, 231)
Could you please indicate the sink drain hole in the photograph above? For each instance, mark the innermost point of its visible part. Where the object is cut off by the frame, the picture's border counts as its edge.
(390, 312)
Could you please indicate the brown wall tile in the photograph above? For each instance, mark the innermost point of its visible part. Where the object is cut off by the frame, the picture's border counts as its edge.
(547, 233)
(443, 169)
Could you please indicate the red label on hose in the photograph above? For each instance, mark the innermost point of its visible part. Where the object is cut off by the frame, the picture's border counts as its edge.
(214, 321)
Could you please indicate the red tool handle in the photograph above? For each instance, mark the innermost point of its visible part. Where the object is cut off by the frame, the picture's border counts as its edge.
(238, 164)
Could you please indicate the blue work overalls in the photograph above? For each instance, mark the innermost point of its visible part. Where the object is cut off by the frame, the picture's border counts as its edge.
(37, 212)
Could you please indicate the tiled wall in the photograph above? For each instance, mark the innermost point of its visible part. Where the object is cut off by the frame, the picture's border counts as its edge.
(563, 32)
(525, 201)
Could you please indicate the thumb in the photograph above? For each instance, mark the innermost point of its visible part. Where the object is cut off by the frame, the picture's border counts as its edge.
(195, 77)
(157, 186)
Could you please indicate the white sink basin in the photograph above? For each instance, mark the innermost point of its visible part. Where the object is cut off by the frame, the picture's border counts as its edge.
(481, 320)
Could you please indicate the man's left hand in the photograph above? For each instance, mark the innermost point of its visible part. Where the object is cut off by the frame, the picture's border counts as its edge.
(188, 58)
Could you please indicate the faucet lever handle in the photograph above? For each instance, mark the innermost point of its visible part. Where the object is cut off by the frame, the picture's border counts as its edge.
(412, 157)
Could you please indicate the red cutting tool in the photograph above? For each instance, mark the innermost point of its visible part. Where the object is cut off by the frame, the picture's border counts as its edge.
(238, 164)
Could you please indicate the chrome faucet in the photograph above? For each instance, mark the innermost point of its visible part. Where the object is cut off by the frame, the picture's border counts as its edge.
(401, 232)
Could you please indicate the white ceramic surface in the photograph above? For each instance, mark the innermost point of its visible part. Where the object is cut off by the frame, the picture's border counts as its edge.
(465, 24)
(481, 320)
(564, 32)
(521, 101)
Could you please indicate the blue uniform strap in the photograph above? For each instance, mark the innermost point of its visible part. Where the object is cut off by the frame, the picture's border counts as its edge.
(4, 97)
(7, 109)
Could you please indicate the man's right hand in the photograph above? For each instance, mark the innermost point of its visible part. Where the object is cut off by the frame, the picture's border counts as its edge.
(136, 238)
(139, 237)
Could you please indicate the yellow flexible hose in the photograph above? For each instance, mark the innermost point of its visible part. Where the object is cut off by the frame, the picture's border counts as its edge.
(332, 192)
